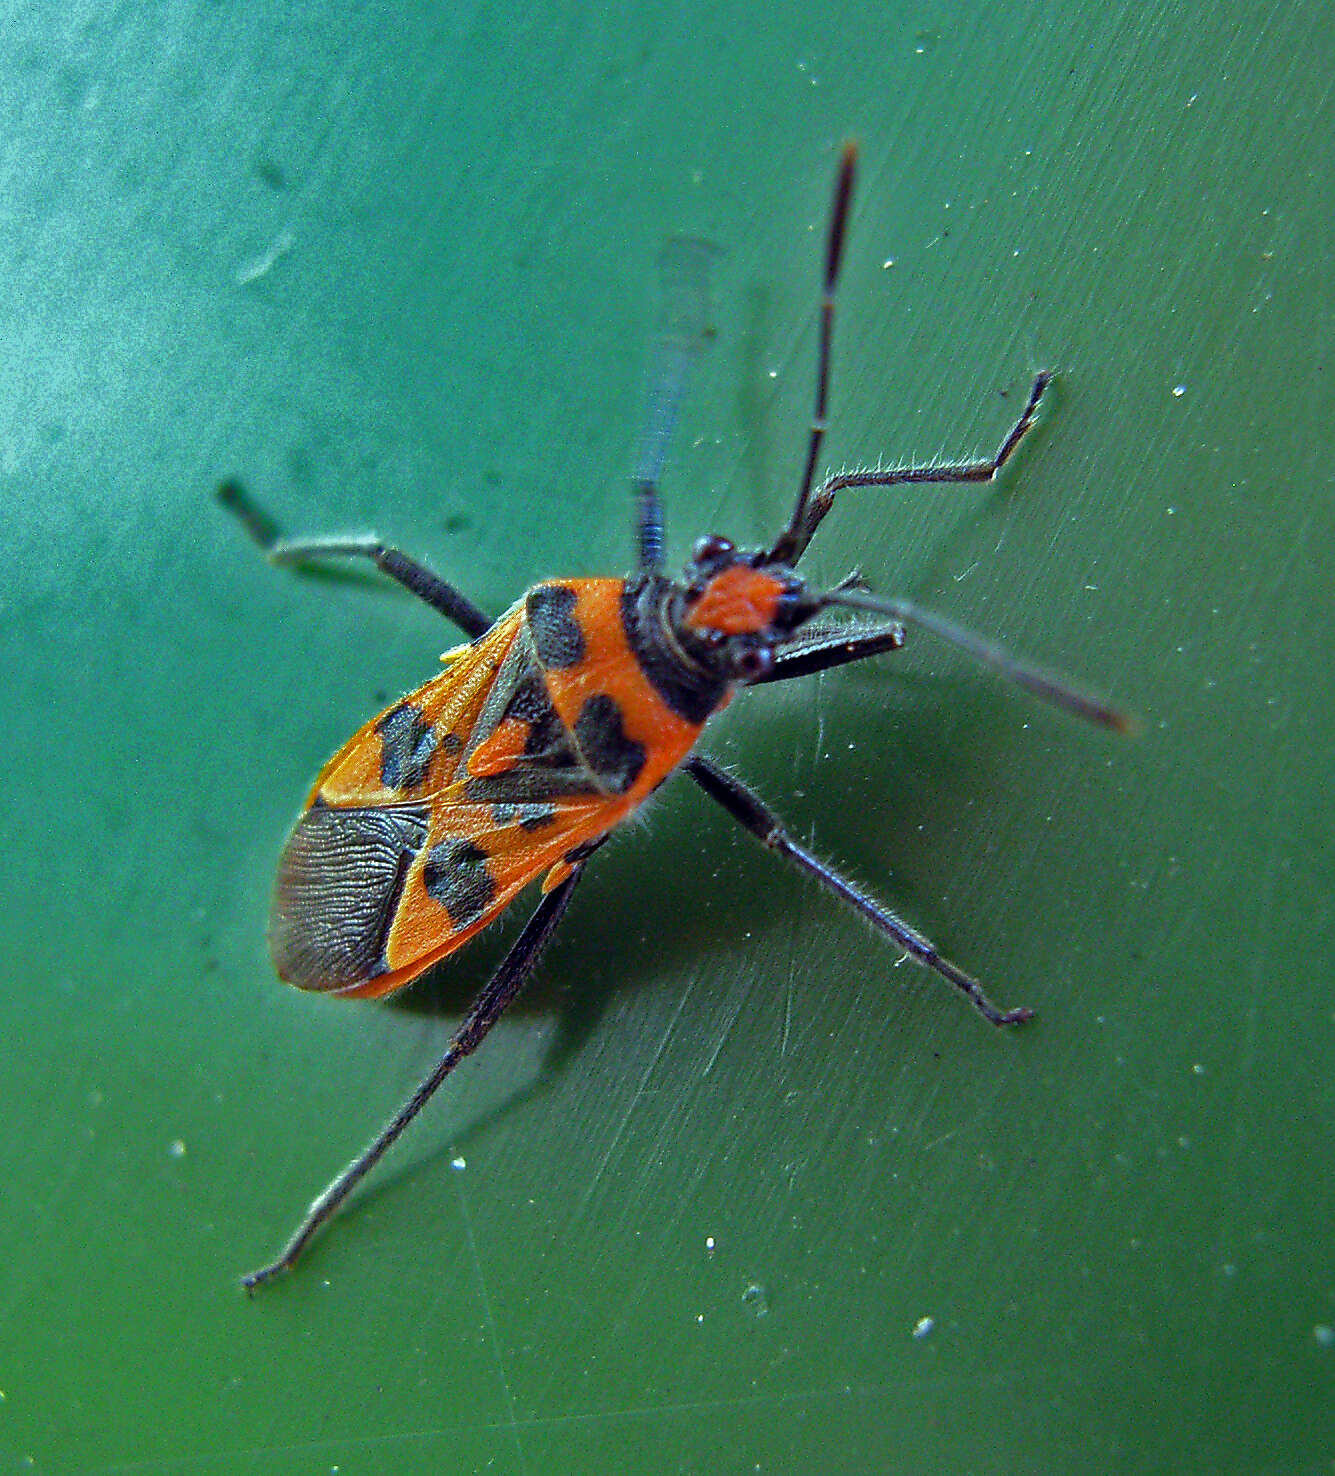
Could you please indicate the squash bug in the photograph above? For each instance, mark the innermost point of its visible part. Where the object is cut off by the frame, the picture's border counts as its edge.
(556, 721)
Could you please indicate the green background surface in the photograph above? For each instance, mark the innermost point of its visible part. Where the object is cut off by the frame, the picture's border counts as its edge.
(393, 266)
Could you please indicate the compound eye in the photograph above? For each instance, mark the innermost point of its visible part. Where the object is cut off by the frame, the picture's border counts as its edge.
(754, 662)
(712, 547)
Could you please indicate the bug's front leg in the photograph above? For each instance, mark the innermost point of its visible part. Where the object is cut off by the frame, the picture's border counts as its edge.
(753, 814)
(815, 505)
(813, 651)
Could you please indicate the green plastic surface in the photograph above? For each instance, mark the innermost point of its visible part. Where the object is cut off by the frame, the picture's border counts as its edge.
(730, 1192)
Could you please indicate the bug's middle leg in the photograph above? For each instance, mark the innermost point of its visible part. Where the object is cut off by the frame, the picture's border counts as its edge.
(414, 576)
(753, 814)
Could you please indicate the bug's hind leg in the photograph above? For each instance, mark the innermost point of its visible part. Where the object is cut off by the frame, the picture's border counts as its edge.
(511, 975)
(753, 814)
(412, 575)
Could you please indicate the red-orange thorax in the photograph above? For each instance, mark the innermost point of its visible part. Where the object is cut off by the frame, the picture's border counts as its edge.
(610, 669)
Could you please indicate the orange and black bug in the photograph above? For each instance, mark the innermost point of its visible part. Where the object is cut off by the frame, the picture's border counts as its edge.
(557, 720)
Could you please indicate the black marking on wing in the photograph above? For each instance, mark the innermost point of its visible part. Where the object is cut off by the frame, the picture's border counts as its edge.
(548, 741)
(550, 767)
(601, 735)
(530, 785)
(407, 745)
(527, 816)
(554, 764)
(520, 692)
(557, 638)
(339, 883)
(455, 874)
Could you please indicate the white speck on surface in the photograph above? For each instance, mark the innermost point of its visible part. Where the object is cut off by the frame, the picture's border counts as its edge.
(923, 1326)
(1324, 1335)
(176, 1148)
(754, 1298)
(1179, 390)
(458, 1163)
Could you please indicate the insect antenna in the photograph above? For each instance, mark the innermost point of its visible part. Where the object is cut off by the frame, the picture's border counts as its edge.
(1045, 684)
(787, 546)
(684, 328)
